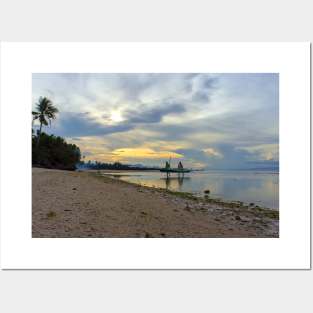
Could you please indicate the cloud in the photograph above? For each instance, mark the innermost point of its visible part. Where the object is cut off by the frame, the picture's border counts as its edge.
(226, 156)
(72, 124)
(212, 152)
(154, 114)
(216, 120)
(203, 87)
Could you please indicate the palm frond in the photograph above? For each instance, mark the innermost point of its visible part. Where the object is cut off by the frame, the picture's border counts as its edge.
(44, 122)
(45, 112)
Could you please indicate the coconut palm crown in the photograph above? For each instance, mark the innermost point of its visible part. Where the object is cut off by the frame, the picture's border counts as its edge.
(46, 112)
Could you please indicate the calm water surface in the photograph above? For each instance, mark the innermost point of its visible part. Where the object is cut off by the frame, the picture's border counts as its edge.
(259, 187)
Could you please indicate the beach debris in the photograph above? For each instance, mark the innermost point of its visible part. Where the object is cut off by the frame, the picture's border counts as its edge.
(207, 191)
(51, 214)
(188, 208)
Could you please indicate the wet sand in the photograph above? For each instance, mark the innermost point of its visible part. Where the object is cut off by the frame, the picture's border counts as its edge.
(83, 204)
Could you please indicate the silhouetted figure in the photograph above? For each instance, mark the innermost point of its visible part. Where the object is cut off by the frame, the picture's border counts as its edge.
(180, 165)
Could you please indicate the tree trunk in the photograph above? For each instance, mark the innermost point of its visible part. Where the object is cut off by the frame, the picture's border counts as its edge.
(39, 135)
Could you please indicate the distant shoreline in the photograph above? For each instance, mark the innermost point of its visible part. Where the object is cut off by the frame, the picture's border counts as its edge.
(84, 204)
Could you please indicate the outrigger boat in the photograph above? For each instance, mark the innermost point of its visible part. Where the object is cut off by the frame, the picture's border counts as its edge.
(180, 169)
(175, 170)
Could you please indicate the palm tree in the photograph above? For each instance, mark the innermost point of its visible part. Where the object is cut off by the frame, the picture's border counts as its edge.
(46, 112)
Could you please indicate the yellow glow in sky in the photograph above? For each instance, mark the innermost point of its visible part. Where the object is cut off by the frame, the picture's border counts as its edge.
(145, 153)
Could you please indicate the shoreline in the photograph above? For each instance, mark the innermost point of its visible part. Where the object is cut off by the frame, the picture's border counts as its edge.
(205, 197)
(86, 204)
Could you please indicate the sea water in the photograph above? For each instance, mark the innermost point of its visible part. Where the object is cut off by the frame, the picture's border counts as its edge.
(257, 187)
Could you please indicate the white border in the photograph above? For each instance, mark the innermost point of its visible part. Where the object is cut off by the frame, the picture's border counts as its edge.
(291, 250)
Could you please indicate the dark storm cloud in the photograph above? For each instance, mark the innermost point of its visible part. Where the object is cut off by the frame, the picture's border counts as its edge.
(154, 114)
(80, 124)
(230, 157)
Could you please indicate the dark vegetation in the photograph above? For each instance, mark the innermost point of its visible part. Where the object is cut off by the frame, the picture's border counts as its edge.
(54, 152)
(50, 151)
(112, 166)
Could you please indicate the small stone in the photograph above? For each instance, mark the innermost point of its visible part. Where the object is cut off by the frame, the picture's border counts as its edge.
(245, 220)
(188, 208)
(207, 191)
(237, 217)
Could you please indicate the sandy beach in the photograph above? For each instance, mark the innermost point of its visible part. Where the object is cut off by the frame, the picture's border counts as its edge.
(84, 204)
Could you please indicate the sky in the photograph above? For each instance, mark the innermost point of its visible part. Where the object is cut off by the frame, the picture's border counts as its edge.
(217, 121)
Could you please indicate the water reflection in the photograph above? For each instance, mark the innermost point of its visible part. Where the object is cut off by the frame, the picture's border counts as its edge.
(261, 188)
(174, 183)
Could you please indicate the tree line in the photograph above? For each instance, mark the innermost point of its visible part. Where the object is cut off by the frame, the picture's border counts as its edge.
(51, 151)
(111, 166)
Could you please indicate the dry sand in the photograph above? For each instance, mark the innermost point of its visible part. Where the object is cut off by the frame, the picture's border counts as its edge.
(82, 204)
